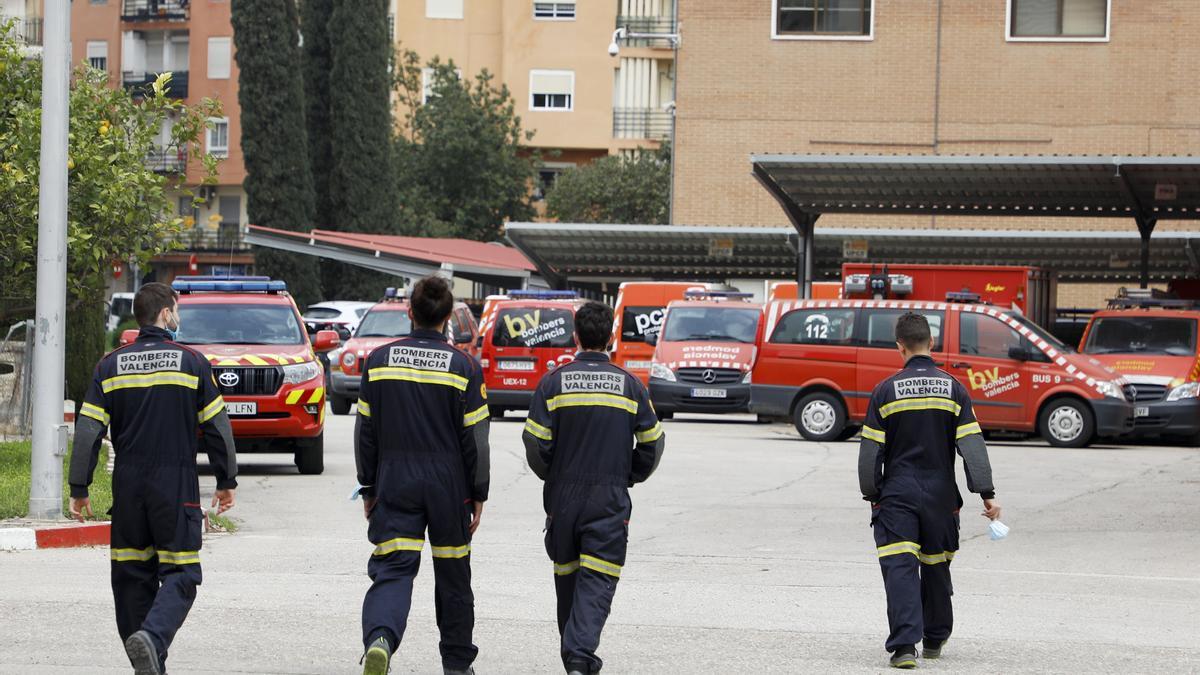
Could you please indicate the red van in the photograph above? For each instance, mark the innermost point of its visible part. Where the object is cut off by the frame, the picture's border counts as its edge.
(819, 360)
(524, 337)
(1155, 349)
(704, 353)
(641, 307)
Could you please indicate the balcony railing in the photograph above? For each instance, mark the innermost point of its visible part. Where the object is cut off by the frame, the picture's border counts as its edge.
(642, 123)
(224, 237)
(169, 160)
(154, 10)
(30, 32)
(646, 24)
(140, 84)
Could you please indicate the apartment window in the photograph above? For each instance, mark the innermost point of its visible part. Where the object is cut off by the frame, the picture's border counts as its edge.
(551, 90)
(1067, 20)
(219, 49)
(823, 19)
(547, 175)
(97, 55)
(230, 209)
(218, 137)
(427, 82)
(188, 208)
(560, 11)
(443, 9)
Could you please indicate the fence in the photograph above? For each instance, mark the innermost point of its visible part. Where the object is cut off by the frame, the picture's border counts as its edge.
(16, 380)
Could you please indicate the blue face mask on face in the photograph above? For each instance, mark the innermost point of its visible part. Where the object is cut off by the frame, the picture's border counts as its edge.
(174, 332)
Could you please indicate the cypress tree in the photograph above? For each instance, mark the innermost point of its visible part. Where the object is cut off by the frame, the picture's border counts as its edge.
(362, 183)
(278, 183)
(317, 59)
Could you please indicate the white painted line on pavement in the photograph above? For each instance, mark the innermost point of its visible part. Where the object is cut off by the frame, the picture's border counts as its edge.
(17, 539)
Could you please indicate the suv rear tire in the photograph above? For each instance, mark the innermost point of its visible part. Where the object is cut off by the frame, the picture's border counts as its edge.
(340, 405)
(1067, 423)
(820, 416)
(310, 455)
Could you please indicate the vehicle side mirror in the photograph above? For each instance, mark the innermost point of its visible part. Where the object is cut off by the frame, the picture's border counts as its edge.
(1019, 353)
(479, 341)
(128, 336)
(652, 339)
(326, 340)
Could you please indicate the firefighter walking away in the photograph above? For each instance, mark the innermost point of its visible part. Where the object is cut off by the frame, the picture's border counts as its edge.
(421, 446)
(915, 421)
(160, 405)
(591, 434)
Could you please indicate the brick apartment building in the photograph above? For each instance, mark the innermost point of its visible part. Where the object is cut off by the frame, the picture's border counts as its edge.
(951, 77)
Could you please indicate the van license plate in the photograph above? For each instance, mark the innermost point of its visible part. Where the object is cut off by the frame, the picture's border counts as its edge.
(241, 408)
(1141, 411)
(709, 393)
(526, 366)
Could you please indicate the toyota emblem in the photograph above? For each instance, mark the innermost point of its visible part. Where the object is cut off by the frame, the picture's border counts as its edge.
(228, 378)
(709, 376)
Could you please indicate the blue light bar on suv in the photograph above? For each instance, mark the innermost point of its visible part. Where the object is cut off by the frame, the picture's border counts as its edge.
(543, 295)
(211, 284)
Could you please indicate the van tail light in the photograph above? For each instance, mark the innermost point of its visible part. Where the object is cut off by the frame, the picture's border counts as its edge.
(485, 363)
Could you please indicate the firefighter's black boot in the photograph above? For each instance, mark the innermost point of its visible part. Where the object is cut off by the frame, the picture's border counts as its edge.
(143, 654)
(904, 657)
(932, 649)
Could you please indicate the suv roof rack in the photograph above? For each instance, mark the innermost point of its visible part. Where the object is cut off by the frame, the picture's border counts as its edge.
(228, 284)
(542, 295)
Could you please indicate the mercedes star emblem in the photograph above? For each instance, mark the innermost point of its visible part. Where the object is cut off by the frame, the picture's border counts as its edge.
(709, 376)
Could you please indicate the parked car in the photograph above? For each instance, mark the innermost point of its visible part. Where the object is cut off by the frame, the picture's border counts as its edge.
(337, 315)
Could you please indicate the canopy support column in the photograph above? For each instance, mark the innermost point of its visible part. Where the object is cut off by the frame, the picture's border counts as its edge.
(805, 224)
(1145, 224)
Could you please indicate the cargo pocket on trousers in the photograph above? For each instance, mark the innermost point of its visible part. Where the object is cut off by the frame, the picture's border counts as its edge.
(547, 537)
(193, 528)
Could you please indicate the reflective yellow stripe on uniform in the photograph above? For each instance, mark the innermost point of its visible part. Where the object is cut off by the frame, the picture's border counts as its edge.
(929, 403)
(650, 435)
(967, 429)
(418, 376)
(211, 410)
(170, 377)
(935, 558)
(450, 551)
(566, 568)
(597, 565)
(899, 548)
(316, 395)
(538, 431)
(473, 418)
(132, 554)
(179, 557)
(873, 434)
(95, 412)
(605, 400)
(399, 544)
(364, 408)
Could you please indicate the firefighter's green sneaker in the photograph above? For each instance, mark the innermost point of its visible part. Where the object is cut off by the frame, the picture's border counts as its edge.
(375, 661)
(904, 657)
(932, 649)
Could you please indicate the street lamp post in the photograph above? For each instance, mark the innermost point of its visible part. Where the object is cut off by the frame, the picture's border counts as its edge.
(49, 431)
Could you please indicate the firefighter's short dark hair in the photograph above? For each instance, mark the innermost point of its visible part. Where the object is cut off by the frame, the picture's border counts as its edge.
(431, 302)
(912, 331)
(593, 325)
(150, 300)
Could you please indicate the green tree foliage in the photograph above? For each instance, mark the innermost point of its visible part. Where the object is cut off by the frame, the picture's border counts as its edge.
(362, 185)
(460, 167)
(278, 182)
(118, 209)
(633, 189)
(317, 59)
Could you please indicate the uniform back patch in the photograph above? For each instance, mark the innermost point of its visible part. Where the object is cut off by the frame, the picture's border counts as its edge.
(419, 358)
(585, 382)
(921, 387)
(132, 363)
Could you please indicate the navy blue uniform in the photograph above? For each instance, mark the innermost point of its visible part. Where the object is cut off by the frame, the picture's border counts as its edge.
(591, 434)
(161, 405)
(915, 421)
(422, 449)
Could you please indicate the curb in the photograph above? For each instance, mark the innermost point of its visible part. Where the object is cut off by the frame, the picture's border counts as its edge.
(54, 536)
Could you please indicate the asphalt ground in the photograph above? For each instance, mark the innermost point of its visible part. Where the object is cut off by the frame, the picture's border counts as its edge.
(750, 552)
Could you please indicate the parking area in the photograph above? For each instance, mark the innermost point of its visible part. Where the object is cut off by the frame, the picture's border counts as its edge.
(750, 551)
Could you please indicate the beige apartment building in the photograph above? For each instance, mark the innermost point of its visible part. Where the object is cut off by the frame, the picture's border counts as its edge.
(581, 102)
(949, 77)
(134, 41)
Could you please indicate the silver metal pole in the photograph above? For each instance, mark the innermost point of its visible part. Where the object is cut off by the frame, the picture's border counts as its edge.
(49, 432)
(674, 112)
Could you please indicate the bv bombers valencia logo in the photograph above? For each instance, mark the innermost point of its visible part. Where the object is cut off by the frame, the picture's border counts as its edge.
(991, 382)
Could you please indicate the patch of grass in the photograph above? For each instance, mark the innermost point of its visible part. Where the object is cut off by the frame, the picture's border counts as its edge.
(224, 523)
(14, 481)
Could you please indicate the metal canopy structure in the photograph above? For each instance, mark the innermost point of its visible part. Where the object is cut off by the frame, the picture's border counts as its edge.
(611, 253)
(410, 257)
(1146, 189)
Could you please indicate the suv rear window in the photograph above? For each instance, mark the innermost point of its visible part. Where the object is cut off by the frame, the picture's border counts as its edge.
(239, 324)
(389, 323)
(1174, 336)
(534, 327)
(322, 313)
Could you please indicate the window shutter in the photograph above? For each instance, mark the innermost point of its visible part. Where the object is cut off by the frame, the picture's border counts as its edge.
(97, 50)
(219, 58)
(555, 82)
(444, 9)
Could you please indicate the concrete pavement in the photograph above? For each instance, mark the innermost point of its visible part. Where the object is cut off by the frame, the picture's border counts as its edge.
(750, 551)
